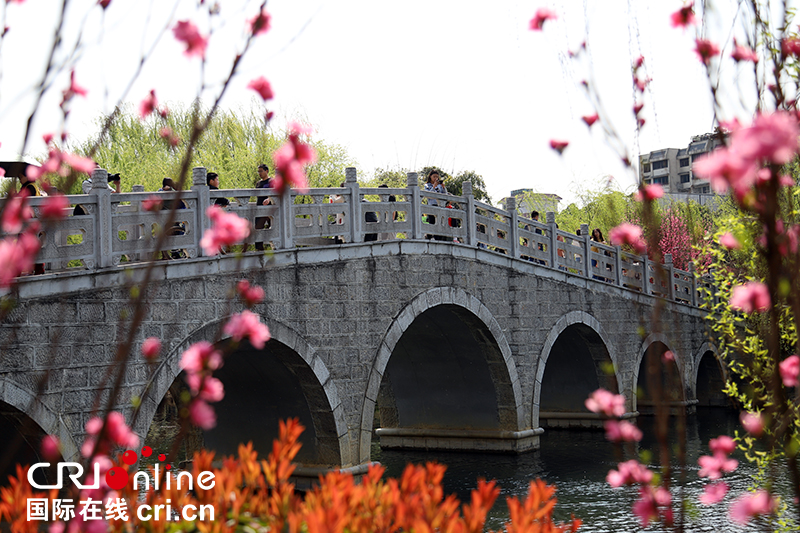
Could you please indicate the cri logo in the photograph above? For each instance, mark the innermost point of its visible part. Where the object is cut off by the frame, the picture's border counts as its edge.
(116, 477)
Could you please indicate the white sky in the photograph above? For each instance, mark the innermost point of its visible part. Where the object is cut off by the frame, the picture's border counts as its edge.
(464, 85)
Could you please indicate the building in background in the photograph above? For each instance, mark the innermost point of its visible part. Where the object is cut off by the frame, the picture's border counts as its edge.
(672, 168)
(528, 201)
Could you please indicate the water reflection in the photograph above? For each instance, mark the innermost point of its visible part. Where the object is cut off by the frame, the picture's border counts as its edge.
(577, 463)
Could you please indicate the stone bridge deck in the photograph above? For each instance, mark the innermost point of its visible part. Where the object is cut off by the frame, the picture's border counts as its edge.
(441, 344)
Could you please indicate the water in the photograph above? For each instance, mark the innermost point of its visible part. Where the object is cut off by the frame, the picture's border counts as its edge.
(577, 463)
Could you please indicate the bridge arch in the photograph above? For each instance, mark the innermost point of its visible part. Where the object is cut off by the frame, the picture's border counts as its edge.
(709, 377)
(593, 338)
(325, 419)
(49, 421)
(676, 367)
(468, 321)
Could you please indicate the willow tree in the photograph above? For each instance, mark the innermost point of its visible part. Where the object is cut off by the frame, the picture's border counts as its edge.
(233, 146)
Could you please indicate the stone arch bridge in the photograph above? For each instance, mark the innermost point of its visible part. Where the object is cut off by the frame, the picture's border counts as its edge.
(460, 347)
(478, 340)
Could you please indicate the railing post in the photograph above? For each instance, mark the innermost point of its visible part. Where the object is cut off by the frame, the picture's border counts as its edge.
(356, 221)
(137, 188)
(586, 259)
(693, 299)
(551, 222)
(618, 264)
(511, 208)
(202, 223)
(102, 227)
(669, 271)
(469, 216)
(645, 275)
(416, 206)
(286, 217)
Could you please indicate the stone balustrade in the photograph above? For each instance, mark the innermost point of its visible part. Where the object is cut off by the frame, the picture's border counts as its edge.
(116, 229)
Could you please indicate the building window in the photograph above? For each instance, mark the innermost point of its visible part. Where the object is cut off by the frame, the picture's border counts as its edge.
(705, 190)
(685, 178)
(663, 180)
(645, 167)
(695, 157)
(684, 162)
(659, 164)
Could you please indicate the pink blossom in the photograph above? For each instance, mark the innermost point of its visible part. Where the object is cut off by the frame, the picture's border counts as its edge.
(251, 295)
(752, 504)
(722, 444)
(727, 168)
(713, 466)
(260, 24)
(752, 296)
(714, 493)
(199, 357)
(186, 32)
(628, 473)
(291, 159)
(168, 135)
(247, 325)
(668, 356)
(54, 207)
(790, 369)
(542, 14)
(47, 138)
(212, 390)
(790, 46)
(117, 434)
(622, 431)
(645, 507)
(606, 402)
(705, 50)
(772, 138)
(590, 119)
(226, 229)
(638, 63)
(262, 87)
(649, 192)
(17, 256)
(641, 83)
(729, 241)
(201, 414)
(743, 53)
(72, 90)
(148, 105)
(558, 145)
(16, 212)
(684, 17)
(753, 423)
(649, 502)
(637, 108)
(51, 448)
(151, 347)
(630, 234)
(103, 3)
(151, 203)
(77, 163)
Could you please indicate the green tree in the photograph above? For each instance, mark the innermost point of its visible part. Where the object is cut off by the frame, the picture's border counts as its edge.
(454, 185)
(233, 145)
(394, 178)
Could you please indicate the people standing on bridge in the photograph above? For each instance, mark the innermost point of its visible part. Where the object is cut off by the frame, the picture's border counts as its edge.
(434, 185)
(264, 182)
(178, 227)
(212, 180)
(32, 189)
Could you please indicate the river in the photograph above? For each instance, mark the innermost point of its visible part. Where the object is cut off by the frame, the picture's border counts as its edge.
(577, 463)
